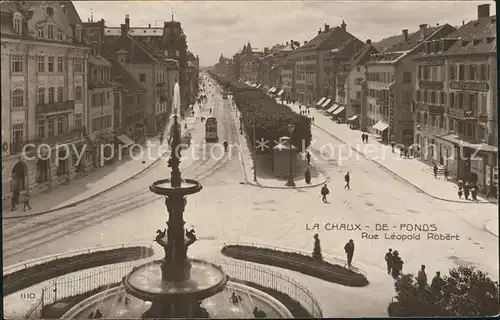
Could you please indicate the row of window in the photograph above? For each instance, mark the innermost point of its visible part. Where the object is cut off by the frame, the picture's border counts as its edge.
(440, 122)
(101, 75)
(50, 32)
(459, 100)
(460, 72)
(134, 117)
(44, 64)
(100, 123)
(48, 128)
(309, 57)
(101, 99)
(384, 77)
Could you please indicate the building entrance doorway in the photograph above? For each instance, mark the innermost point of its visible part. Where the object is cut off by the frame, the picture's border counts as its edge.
(18, 175)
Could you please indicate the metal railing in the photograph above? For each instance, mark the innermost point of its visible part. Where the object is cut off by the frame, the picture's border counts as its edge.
(33, 262)
(267, 277)
(326, 256)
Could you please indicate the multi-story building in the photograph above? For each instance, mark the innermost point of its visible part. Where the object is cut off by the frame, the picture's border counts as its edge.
(129, 117)
(313, 71)
(456, 106)
(149, 67)
(349, 90)
(288, 76)
(171, 41)
(390, 81)
(44, 94)
(247, 64)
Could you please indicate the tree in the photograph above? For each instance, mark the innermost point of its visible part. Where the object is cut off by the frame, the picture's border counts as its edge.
(466, 292)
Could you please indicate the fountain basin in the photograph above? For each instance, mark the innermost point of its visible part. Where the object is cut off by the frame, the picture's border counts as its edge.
(145, 282)
(218, 306)
(164, 187)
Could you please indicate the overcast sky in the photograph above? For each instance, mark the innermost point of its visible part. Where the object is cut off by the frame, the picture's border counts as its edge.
(215, 27)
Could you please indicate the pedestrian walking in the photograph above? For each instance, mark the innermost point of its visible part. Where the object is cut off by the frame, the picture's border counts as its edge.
(460, 193)
(388, 260)
(307, 176)
(347, 179)
(366, 137)
(397, 265)
(466, 190)
(435, 169)
(26, 202)
(13, 203)
(161, 138)
(308, 157)
(312, 119)
(422, 278)
(363, 137)
(392, 145)
(437, 282)
(446, 173)
(473, 192)
(349, 250)
(324, 192)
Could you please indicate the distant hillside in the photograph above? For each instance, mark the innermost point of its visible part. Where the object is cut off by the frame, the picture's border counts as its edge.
(386, 43)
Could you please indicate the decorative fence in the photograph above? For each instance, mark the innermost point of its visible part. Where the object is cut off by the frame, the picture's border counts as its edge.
(26, 264)
(326, 256)
(67, 286)
(267, 277)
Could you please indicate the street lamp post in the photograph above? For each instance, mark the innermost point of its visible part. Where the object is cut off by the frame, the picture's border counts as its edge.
(290, 182)
(255, 150)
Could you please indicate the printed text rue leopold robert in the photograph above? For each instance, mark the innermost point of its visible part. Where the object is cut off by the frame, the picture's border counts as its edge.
(399, 232)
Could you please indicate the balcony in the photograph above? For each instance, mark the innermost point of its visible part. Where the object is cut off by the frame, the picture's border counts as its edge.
(462, 114)
(56, 107)
(432, 109)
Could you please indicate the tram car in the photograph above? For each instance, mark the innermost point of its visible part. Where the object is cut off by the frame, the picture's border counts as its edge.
(211, 130)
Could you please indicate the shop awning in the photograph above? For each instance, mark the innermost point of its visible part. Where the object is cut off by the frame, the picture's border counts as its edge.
(327, 102)
(380, 126)
(339, 110)
(332, 108)
(320, 102)
(281, 92)
(469, 144)
(352, 118)
(125, 140)
(272, 89)
(260, 84)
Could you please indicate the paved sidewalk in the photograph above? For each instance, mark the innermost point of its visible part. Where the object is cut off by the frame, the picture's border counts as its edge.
(412, 171)
(98, 181)
(492, 226)
(267, 180)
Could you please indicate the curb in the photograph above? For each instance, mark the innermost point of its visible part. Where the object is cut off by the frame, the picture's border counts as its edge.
(486, 226)
(73, 204)
(404, 179)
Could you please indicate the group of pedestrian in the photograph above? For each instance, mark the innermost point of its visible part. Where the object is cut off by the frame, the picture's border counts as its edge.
(394, 263)
(406, 152)
(437, 282)
(364, 137)
(15, 200)
(467, 189)
(325, 191)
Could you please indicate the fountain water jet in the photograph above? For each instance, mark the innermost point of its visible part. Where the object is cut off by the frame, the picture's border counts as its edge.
(175, 285)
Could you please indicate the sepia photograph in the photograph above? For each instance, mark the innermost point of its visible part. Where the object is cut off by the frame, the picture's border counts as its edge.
(249, 159)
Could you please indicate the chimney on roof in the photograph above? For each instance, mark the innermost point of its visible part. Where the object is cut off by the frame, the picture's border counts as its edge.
(368, 41)
(64, 10)
(149, 26)
(319, 31)
(305, 42)
(463, 22)
(483, 11)
(327, 27)
(127, 20)
(124, 28)
(343, 25)
(405, 34)
(423, 27)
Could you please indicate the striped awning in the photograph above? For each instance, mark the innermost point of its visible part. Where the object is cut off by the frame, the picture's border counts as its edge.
(380, 126)
(320, 102)
(332, 108)
(326, 103)
(281, 92)
(339, 110)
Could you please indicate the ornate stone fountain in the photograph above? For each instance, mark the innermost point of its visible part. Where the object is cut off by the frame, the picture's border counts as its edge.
(176, 285)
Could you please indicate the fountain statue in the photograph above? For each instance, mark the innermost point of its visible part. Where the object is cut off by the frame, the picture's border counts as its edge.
(176, 285)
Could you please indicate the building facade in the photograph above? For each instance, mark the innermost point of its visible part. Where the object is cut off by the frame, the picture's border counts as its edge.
(44, 94)
(318, 61)
(390, 83)
(456, 102)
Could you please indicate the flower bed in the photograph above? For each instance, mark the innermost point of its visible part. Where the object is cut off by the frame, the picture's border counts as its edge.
(297, 262)
(32, 275)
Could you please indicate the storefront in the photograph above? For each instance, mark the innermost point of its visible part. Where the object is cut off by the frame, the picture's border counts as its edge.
(381, 129)
(353, 121)
(339, 114)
